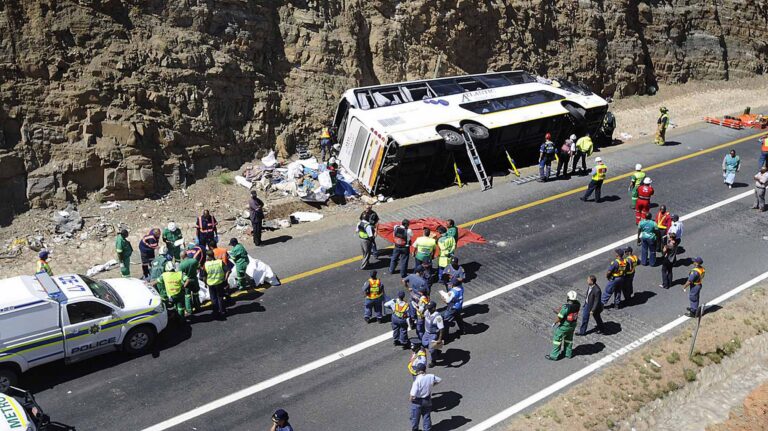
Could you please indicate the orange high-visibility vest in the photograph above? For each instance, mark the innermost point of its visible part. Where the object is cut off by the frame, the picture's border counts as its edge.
(621, 268)
(400, 309)
(701, 272)
(632, 264)
(764, 145)
(659, 218)
(374, 291)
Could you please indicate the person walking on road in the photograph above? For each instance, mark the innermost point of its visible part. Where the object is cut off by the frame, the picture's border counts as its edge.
(646, 239)
(374, 297)
(663, 222)
(565, 327)
(256, 215)
(433, 332)
(615, 275)
(280, 421)
(661, 126)
(566, 151)
(668, 257)
(418, 357)
(547, 153)
(124, 250)
(629, 279)
(592, 306)
(421, 398)
(584, 147)
(596, 183)
(402, 251)
(365, 233)
(372, 218)
(731, 165)
(400, 315)
(174, 240)
(643, 199)
(761, 181)
(206, 229)
(635, 181)
(447, 246)
(695, 279)
(454, 298)
(424, 248)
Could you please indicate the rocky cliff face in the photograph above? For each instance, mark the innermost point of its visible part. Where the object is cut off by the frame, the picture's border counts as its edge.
(134, 97)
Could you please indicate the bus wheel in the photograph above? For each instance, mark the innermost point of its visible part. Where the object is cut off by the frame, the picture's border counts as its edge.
(476, 131)
(452, 138)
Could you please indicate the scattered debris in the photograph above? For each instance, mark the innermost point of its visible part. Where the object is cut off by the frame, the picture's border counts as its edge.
(305, 216)
(110, 205)
(67, 221)
(625, 136)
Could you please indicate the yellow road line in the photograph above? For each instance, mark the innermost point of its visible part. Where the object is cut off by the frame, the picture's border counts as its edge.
(509, 211)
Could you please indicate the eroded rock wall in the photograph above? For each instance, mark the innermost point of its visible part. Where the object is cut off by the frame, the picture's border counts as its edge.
(134, 97)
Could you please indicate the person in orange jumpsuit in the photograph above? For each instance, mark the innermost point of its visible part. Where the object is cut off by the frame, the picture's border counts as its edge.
(643, 205)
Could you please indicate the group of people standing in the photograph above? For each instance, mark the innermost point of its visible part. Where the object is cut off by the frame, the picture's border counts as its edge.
(579, 149)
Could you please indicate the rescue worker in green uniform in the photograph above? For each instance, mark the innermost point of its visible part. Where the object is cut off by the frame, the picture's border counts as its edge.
(661, 126)
(447, 246)
(240, 258)
(171, 288)
(157, 266)
(453, 230)
(566, 326)
(124, 250)
(171, 235)
(188, 268)
(635, 181)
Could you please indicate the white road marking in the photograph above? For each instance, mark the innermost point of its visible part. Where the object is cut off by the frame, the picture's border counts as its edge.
(266, 384)
(544, 393)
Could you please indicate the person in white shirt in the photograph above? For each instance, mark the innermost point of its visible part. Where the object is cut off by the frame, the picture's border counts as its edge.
(676, 228)
(421, 398)
(433, 331)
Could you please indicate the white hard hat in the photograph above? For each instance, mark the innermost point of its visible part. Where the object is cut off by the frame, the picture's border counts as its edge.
(573, 137)
(598, 159)
(171, 226)
(647, 180)
(572, 295)
(638, 167)
(169, 267)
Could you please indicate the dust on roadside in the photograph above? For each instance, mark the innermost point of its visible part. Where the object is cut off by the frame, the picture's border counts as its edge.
(609, 399)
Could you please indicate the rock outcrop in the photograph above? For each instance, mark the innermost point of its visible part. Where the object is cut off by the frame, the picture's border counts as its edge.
(134, 97)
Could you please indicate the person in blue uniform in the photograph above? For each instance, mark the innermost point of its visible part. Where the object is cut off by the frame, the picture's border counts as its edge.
(433, 331)
(694, 283)
(455, 301)
(373, 289)
(400, 315)
(615, 276)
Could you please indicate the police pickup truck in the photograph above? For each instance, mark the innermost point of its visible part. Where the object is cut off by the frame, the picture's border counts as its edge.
(73, 317)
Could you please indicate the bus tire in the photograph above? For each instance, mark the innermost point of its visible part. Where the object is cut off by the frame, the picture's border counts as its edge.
(452, 138)
(476, 131)
(139, 340)
(9, 376)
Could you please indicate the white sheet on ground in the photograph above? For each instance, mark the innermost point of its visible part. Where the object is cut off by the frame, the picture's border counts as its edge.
(305, 216)
(259, 271)
(243, 182)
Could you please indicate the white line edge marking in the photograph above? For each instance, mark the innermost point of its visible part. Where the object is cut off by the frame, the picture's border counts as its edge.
(266, 384)
(544, 393)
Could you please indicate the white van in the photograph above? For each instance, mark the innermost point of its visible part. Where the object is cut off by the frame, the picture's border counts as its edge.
(73, 317)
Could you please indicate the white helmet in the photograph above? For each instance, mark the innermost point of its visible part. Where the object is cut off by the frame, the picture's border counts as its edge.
(169, 267)
(647, 180)
(171, 226)
(638, 167)
(598, 159)
(572, 295)
(573, 137)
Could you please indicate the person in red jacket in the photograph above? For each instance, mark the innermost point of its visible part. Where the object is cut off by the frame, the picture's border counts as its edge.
(643, 205)
(663, 221)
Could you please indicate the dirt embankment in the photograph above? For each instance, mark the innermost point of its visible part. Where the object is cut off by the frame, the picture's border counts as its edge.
(659, 387)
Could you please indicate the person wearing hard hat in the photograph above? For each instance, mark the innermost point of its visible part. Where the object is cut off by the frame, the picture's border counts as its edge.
(566, 326)
(157, 267)
(661, 126)
(566, 151)
(695, 278)
(546, 156)
(173, 240)
(596, 182)
(170, 286)
(42, 263)
(643, 195)
(635, 181)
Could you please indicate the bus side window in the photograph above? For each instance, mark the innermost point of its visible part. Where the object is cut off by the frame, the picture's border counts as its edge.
(364, 100)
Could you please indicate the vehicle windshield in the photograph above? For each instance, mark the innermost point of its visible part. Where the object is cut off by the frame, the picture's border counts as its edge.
(103, 291)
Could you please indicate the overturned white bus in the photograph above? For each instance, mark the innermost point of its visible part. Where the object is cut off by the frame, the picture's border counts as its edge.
(399, 138)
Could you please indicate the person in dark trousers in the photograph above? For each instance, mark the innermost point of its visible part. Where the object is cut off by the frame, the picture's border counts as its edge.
(547, 153)
(592, 306)
(596, 183)
(372, 218)
(206, 228)
(668, 257)
(256, 209)
(402, 251)
(147, 247)
(566, 151)
(694, 282)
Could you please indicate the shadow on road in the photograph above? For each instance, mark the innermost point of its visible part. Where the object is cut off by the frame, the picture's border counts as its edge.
(611, 198)
(611, 328)
(739, 185)
(455, 358)
(683, 262)
(453, 423)
(276, 240)
(470, 270)
(640, 298)
(588, 349)
(670, 143)
(475, 328)
(444, 401)
(474, 310)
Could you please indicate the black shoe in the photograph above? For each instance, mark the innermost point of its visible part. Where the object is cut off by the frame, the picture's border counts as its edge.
(579, 334)
(550, 358)
(395, 343)
(582, 199)
(367, 320)
(431, 364)
(380, 319)
(406, 346)
(690, 314)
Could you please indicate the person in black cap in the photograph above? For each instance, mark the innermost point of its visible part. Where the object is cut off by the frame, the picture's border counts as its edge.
(280, 421)
(695, 278)
(374, 297)
(615, 276)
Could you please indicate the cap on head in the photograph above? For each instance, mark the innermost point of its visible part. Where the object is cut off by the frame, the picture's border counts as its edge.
(572, 295)
(420, 367)
(431, 305)
(281, 415)
(401, 295)
(638, 167)
(254, 193)
(628, 250)
(168, 267)
(647, 180)
(233, 242)
(699, 260)
(675, 217)
(598, 159)
(454, 259)
(619, 252)
(124, 232)
(442, 229)
(415, 344)
(43, 254)
(663, 109)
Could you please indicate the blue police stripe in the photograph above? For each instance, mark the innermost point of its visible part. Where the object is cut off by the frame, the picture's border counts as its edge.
(46, 356)
(33, 345)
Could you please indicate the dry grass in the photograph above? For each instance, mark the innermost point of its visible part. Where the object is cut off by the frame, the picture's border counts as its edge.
(619, 391)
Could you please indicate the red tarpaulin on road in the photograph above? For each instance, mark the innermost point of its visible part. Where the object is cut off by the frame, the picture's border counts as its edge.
(386, 231)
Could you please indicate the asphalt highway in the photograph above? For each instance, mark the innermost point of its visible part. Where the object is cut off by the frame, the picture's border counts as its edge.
(498, 364)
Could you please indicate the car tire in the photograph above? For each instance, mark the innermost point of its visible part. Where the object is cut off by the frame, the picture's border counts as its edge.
(139, 340)
(8, 377)
(476, 131)
(452, 138)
